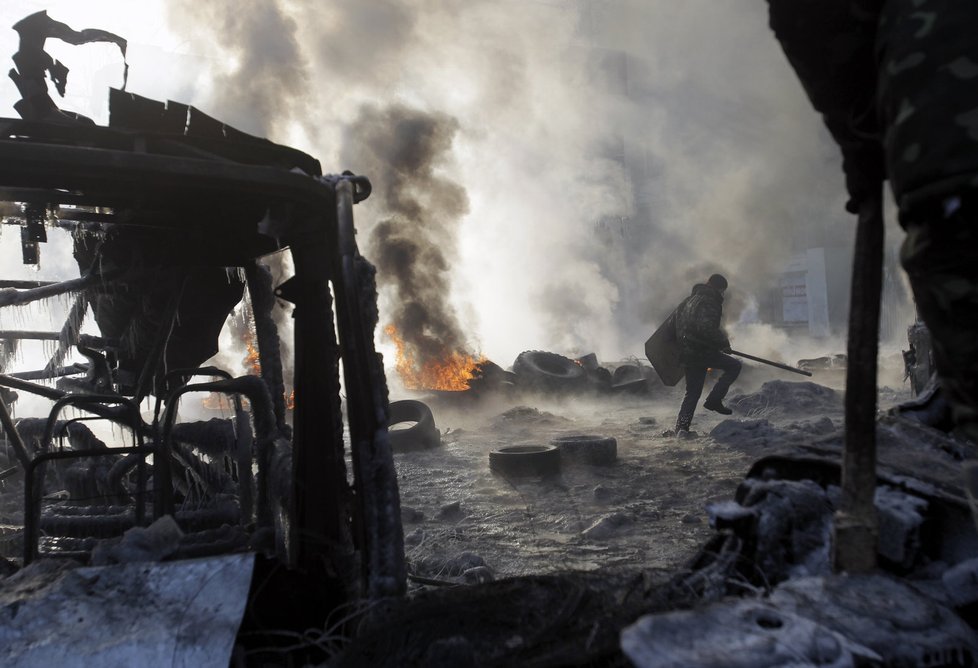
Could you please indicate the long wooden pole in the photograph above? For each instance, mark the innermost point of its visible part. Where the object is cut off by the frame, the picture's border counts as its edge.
(856, 528)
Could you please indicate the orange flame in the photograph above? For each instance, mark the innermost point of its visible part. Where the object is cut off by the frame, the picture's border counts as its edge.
(453, 372)
(252, 359)
(215, 401)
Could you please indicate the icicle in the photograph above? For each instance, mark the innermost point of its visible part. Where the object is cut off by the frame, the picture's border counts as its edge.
(235, 274)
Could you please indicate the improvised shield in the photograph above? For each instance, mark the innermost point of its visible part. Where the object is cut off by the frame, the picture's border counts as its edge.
(663, 350)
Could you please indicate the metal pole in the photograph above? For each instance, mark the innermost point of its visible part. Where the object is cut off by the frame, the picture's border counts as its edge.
(11, 297)
(383, 567)
(68, 336)
(33, 388)
(12, 436)
(856, 529)
(33, 335)
(322, 538)
(771, 363)
(24, 285)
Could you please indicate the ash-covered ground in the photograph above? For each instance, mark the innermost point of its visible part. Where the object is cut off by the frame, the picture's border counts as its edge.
(646, 511)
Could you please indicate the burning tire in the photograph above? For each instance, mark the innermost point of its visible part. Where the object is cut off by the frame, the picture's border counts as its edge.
(549, 371)
(524, 460)
(597, 450)
(490, 377)
(421, 435)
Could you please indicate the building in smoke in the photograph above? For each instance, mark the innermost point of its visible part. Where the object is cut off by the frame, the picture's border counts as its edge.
(791, 256)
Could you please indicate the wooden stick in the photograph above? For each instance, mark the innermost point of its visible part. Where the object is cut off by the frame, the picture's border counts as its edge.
(856, 528)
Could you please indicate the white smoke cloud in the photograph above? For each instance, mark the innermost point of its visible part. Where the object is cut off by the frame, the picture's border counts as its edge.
(612, 153)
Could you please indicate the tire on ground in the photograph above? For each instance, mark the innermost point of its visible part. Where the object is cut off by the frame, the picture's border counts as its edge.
(587, 448)
(630, 378)
(525, 460)
(599, 379)
(549, 372)
(419, 436)
(489, 376)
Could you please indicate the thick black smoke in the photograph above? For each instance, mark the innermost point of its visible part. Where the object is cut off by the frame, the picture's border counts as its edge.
(269, 86)
(614, 153)
(406, 153)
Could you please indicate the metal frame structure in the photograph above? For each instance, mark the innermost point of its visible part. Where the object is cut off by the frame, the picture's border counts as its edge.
(233, 198)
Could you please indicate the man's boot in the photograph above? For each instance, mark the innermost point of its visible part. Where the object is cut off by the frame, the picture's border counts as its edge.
(683, 423)
(716, 405)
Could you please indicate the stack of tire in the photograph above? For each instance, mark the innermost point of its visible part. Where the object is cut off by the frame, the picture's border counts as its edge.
(549, 373)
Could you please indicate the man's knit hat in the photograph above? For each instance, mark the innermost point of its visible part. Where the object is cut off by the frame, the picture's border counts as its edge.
(717, 281)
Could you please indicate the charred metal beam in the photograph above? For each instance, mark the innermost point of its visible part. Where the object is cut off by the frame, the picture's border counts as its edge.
(33, 388)
(50, 196)
(82, 216)
(70, 331)
(129, 176)
(13, 437)
(25, 285)
(381, 534)
(42, 374)
(11, 297)
(266, 334)
(857, 522)
(29, 334)
(320, 489)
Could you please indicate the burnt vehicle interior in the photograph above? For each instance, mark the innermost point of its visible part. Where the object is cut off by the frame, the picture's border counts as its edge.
(170, 212)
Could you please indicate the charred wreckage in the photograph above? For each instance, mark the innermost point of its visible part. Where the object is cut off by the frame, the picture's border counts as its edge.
(199, 541)
(169, 211)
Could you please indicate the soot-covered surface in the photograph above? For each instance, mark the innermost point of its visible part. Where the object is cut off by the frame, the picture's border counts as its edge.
(647, 511)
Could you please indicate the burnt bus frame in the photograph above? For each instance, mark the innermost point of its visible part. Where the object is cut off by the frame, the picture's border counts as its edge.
(50, 165)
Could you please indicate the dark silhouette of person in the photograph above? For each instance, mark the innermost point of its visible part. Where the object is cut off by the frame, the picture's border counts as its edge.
(896, 83)
(704, 346)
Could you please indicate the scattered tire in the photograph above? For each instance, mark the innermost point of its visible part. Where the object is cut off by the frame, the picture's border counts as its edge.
(632, 379)
(597, 450)
(525, 460)
(421, 435)
(626, 373)
(489, 376)
(549, 371)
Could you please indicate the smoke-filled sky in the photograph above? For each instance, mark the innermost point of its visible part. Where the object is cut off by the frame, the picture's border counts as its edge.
(585, 161)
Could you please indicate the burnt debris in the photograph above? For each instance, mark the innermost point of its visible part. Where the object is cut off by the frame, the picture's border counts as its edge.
(170, 211)
(33, 64)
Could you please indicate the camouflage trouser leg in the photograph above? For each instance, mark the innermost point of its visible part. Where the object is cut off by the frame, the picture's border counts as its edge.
(941, 260)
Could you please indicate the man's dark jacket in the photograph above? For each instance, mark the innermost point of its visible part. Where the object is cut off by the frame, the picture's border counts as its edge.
(698, 323)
